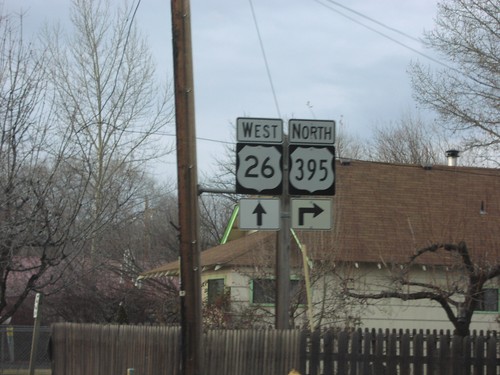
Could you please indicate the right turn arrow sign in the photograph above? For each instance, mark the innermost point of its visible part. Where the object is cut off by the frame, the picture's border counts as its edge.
(315, 210)
(311, 213)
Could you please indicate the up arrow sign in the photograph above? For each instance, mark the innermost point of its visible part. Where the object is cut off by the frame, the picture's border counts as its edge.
(259, 210)
(259, 214)
(315, 210)
(310, 214)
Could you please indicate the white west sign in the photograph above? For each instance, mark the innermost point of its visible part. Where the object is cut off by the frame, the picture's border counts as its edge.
(259, 130)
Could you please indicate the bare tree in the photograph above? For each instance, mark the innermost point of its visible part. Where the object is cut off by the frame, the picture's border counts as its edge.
(108, 98)
(40, 200)
(408, 141)
(215, 211)
(114, 298)
(460, 296)
(347, 145)
(466, 92)
(79, 123)
(107, 291)
(218, 201)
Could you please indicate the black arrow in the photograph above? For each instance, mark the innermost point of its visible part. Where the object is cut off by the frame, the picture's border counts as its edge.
(316, 210)
(259, 210)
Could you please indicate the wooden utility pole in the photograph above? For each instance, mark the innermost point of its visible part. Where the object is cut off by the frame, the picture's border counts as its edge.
(187, 182)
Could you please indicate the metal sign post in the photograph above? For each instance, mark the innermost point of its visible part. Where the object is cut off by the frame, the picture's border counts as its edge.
(36, 333)
(282, 318)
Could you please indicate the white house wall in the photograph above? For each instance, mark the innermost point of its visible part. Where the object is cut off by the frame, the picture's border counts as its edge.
(385, 313)
(398, 314)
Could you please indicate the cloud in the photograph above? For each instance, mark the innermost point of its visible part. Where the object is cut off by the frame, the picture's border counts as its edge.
(315, 56)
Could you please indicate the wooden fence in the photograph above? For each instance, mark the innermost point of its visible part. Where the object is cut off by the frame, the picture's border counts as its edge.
(91, 349)
(400, 353)
(112, 349)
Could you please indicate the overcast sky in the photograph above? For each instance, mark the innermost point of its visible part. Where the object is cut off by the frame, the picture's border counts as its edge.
(323, 64)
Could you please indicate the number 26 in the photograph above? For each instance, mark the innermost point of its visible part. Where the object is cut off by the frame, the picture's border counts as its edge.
(266, 170)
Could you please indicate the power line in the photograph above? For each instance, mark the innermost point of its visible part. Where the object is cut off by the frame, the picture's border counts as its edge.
(385, 35)
(373, 20)
(265, 59)
(173, 135)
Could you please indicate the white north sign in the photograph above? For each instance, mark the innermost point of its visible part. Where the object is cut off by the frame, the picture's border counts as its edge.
(259, 214)
(310, 214)
(259, 130)
(317, 132)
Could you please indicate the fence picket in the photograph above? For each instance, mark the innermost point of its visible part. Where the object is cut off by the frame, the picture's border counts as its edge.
(315, 353)
(418, 354)
(378, 363)
(392, 347)
(467, 349)
(355, 351)
(491, 351)
(328, 352)
(478, 354)
(431, 352)
(405, 353)
(303, 352)
(367, 346)
(443, 353)
(343, 350)
(456, 357)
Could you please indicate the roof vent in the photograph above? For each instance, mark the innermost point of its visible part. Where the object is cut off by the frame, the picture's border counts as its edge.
(482, 210)
(452, 156)
(345, 162)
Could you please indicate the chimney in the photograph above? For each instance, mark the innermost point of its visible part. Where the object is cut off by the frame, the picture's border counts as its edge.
(452, 156)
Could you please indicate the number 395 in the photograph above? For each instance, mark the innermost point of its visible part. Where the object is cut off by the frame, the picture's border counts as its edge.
(311, 169)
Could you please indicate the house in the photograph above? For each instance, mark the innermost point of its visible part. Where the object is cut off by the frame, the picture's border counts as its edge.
(382, 214)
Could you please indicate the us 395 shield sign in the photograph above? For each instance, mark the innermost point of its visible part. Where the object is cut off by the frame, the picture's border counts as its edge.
(259, 169)
(312, 170)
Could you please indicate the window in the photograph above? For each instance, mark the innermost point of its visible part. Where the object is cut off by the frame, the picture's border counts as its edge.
(488, 300)
(298, 293)
(264, 291)
(215, 290)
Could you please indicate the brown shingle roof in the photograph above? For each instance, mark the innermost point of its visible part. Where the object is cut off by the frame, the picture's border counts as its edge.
(255, 249)
(385, 212)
